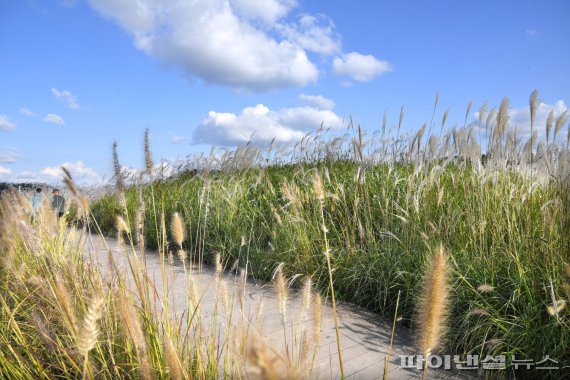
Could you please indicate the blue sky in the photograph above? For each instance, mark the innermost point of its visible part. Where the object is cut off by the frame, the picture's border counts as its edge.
(77, 75)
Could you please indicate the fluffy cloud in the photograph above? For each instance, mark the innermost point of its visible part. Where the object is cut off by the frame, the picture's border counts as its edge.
(260, 124)
(6, 124)
(80, 173)
(66, 97)
(209, 39)
(177, 139)
(9, 155)
(359, 67)
(54, 119)
(27, 112)
(315, 34)
(317, 101)
(267, 11)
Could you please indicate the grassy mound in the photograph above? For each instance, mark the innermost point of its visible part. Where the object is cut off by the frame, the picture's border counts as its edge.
(507, 235)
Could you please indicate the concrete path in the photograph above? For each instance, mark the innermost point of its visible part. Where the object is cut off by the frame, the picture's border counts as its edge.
(365, 336)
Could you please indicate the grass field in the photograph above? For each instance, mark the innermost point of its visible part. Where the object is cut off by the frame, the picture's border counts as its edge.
(369, 217)
(381, 207)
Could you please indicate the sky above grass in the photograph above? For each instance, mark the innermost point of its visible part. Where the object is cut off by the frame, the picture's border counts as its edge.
(77, 75)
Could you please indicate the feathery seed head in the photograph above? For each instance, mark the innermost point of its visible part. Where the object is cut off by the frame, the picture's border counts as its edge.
(121, 225)
(117, 169)
(560, 121)
(478, 312)
(549, 123)
(177, 229)
(444, 119)
(174, 363)
(434, 304)
(556, 307)
(318, 186)
(482, 112)
(149, 165)
(534, 102)
(484, 288)
(89, 330)
(307, 295)
(317, 318)
(282, 290)
(467, 111)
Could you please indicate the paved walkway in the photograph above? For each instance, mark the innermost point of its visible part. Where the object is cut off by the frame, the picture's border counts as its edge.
(365, 336)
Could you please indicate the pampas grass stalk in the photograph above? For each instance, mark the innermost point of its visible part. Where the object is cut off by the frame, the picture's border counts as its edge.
(387, 359)
(320, 195)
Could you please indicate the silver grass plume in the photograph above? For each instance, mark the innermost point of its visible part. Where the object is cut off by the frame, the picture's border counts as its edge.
(444, 119)
(560, 121)
(549, 124)
(467, 112)
(534, 102)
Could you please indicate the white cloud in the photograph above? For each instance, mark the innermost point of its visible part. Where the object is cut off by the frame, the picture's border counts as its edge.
(314, 33)
(26, 176)
(54, 119)
(177, 139)
(67, 97)
(82, 174)
(9, 156)
(359, 67)
(260, 124)
(208, 39)
(27, 112)
(6, 124)
(78, 170)
(533, 32)
(317, 101)
(267, 11)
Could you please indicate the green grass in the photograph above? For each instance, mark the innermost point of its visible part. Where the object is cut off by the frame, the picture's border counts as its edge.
(501, 229)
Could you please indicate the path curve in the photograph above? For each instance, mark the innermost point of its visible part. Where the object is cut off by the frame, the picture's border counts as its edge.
(365, 336)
